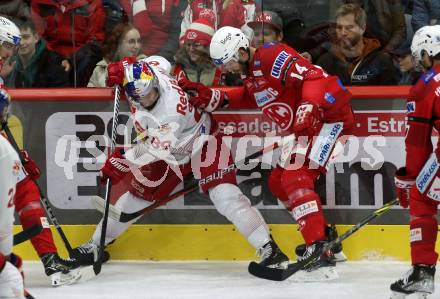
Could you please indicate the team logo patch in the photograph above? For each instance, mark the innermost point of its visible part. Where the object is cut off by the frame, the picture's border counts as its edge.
(258, 73)
(437, 78)
(305, 209)
(426, 77)
(410, 107)
(329, 98)
(16, 168)
(265, 96)
(281, 113)
(427, 173)
(415, 234)
(278, 64)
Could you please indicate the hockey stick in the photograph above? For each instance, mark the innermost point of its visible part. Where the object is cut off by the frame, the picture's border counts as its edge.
(97, 265)
(47, 206)
(120, 216)
(280, 274)
(27, 234)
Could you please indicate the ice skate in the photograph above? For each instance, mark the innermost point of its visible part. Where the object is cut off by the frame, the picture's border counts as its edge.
(61, 271)
(87, 254)
(332, 234)
(321, 269)
(272, 257)
(418, 280)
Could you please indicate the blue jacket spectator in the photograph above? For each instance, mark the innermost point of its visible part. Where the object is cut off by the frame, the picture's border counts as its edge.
(425, 12)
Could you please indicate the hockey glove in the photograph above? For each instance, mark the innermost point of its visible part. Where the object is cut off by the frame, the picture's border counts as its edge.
(307, 118)
(30, 166)
(403, 186)
(201, 96)
(115, 167)
(115, 70)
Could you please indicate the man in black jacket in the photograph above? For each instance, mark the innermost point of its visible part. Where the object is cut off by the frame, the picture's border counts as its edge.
(355, 59)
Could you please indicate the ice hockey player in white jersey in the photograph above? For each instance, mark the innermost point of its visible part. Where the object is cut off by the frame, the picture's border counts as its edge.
(11, 281)
(174, 139)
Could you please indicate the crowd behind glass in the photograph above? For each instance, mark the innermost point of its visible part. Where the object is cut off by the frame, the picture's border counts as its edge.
(69, 43)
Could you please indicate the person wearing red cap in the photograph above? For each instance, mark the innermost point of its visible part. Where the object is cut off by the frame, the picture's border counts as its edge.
(267, 27)
(192, 59)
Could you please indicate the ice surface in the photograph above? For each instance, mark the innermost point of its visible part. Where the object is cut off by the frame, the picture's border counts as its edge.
(211, 280)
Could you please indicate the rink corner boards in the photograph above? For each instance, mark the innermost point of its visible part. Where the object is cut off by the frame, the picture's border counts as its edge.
(223, 242)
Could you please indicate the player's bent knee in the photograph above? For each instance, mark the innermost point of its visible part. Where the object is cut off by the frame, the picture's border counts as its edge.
(298, 185)
(228, 199)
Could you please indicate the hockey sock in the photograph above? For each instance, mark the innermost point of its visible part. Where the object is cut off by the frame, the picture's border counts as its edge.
(423, 236)
(308, 214)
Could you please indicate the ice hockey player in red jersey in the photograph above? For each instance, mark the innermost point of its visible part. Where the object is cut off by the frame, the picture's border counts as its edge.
(418, 183)
(303, 100)
(27, 196)
(173, 138)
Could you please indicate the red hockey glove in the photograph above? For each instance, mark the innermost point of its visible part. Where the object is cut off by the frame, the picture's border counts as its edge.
(202, 96)
(115, 70)
(30, 166)
(308, 116)
(115, 167)
(403, 186)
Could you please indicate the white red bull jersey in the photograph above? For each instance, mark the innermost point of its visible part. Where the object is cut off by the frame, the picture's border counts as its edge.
(10, 167)
(172, 130)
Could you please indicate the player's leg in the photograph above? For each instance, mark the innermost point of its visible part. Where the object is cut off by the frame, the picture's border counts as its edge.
(87, 253)
(30, 211)
(423, 236)
(230, 201)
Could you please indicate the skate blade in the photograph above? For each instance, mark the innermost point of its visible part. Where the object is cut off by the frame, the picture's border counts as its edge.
(397, 295)
(59, 278)
(339, 257)
(320, 274)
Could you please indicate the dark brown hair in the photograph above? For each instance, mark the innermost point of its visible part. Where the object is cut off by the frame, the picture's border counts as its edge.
(112, 42)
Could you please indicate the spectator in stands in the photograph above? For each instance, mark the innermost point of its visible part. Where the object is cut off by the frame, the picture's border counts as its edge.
(73, 29)
(385, 21)
(14, 10)
(267, 27)
(405, 62)
(114, 13)
(192, 59)
(402, 56)
(34, 65)
(425, 12)
(357, 60)
(158, 23)
(293, 22)
(235, 13)
(124, 40)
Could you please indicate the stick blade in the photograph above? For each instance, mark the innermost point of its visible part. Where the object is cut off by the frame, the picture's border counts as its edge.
(273, 273)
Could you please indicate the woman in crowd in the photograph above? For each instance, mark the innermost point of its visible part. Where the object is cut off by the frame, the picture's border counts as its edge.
(125, 40)
(192, 59)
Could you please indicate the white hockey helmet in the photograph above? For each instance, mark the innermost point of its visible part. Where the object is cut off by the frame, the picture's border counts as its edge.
(159, 62)
(139, 80)
(426, 38)
(225, 44)
(9, 32)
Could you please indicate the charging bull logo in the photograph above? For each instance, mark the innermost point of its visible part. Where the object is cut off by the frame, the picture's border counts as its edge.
(281, 113)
